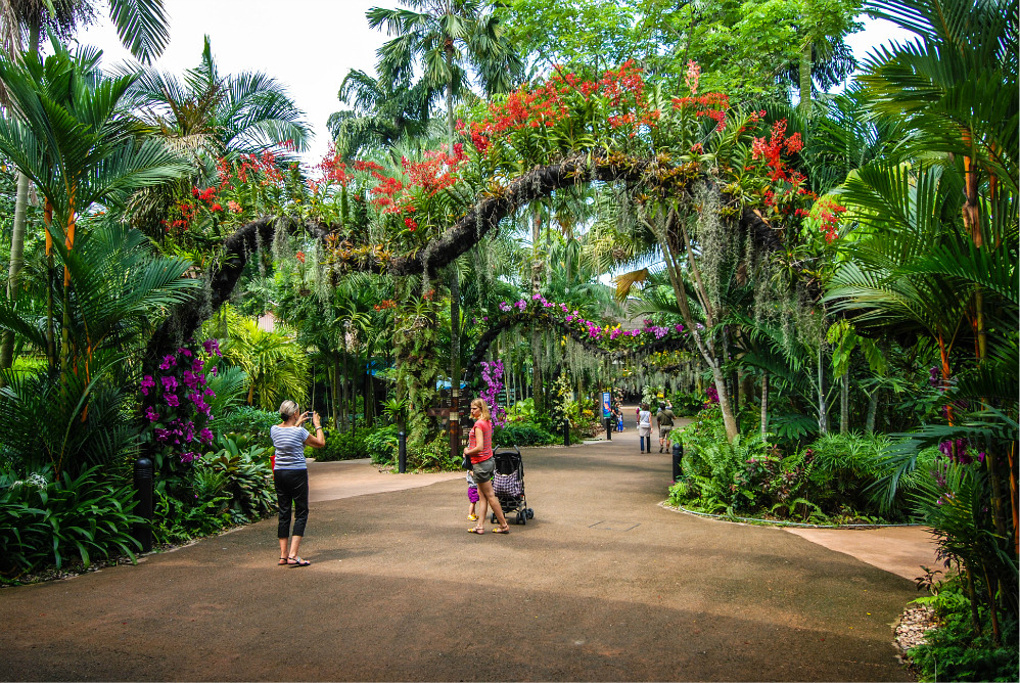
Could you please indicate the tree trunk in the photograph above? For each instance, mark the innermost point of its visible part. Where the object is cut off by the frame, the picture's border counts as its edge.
(764, 406)
(725, 404)
(335, 391)
(844, 404)
(17, 261)
(823, 408)
(805, 80)
(872, 412)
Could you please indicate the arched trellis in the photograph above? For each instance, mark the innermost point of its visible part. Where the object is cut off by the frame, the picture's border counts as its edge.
(657, 177)
(511, 320)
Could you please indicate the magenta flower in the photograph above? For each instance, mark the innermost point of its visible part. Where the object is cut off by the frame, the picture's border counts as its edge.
(151, 414)
(168, 361)
(172, 400)
(212, 347)
(169, 383)
(206, 435)
(147, 383)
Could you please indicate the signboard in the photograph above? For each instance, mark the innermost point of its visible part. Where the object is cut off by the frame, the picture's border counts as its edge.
(607, 409)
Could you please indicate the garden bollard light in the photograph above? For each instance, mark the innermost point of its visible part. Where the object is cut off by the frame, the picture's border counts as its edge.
(678, 454)
(566, 432)
(143, 494)
(609, 428)
(401, 452)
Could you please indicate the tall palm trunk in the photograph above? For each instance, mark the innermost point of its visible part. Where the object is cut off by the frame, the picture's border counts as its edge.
(18, 231)
(805, 80)
(537, 375)
(844, 404)
(823, 407)
(17, 261)
(764, 406)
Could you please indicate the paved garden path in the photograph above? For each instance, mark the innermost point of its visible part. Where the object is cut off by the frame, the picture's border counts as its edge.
(603, 584)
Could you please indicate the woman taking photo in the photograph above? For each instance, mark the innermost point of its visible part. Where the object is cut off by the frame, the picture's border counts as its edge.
(290, 475)
(483, 466)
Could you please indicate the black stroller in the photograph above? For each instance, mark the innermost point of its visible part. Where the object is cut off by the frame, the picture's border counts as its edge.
(508, 485)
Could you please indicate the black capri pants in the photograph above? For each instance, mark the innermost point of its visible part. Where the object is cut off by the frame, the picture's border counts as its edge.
(291, 488)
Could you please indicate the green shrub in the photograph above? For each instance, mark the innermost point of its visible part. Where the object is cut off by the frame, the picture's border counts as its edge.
(49, 522)
(434, 456)
(176, 521)
(522, 434)
(342, 446)
(382, 444)
(954, 651)
(251, 422)
(522, 411)
(687, 405)
(246, 478)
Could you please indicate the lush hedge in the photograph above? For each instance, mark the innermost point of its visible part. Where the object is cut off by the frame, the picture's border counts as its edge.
(45, 522)
(342, 446)
(829, 482)
(522, 434)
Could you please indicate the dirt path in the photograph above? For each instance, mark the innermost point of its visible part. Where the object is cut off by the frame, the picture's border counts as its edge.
(602, 585)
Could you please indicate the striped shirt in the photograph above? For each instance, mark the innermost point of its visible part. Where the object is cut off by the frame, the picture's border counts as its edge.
(290, 447)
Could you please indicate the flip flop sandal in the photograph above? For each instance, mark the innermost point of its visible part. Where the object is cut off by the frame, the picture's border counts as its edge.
(297, 562)
(282, 562)
(474, 530)
(497, 530)
(473, 518)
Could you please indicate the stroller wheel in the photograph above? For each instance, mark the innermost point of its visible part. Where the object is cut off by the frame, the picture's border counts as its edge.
(530, 513)
(521, 518)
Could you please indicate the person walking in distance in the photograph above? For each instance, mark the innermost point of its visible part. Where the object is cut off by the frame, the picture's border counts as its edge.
(645, 428)
(664, 418)
(290, 476)
(483, 466)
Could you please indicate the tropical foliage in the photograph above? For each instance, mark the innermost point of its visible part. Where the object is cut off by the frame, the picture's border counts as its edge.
(827, 281)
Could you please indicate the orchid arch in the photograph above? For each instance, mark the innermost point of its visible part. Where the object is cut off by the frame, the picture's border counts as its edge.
(712, 181)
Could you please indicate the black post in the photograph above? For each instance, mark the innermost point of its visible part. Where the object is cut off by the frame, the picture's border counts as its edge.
(401, 452)
(566, 432)
(678, 454)
(610, 423)
(143, 494)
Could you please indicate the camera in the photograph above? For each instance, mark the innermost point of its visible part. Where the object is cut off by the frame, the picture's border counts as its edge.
(308, 414)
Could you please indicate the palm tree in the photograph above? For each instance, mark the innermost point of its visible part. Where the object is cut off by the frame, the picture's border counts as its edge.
(141, 26)
(276, 366)
(209, 114)
(119, 289)
(383, 113)
(448, 38)
(71, 139)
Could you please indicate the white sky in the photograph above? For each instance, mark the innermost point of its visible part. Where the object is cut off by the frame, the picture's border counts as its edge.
(308, 45)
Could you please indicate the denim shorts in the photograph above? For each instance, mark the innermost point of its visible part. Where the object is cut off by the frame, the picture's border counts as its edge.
(482, 471)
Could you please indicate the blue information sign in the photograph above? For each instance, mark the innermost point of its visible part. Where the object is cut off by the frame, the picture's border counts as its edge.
(606, 408)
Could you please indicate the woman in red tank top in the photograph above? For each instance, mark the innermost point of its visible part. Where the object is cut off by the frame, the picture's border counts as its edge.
(479, 449)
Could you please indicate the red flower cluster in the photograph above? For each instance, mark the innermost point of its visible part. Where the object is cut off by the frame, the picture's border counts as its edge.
(332, 170)
(437, 171)
(263, 167)
(386, 303)
(186, 212)
(828, 212)
(713, 105)
(544, 106)
(772, 150)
